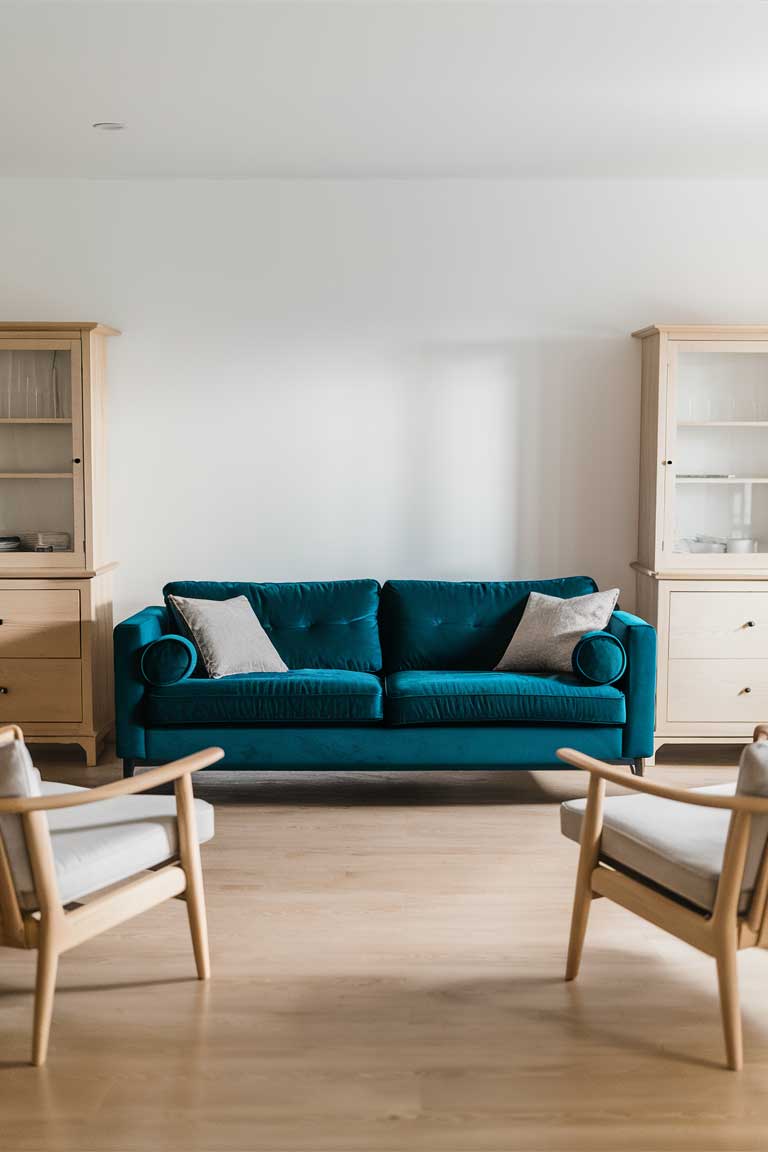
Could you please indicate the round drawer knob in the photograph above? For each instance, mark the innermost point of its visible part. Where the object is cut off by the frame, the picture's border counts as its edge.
(3, 691)
(747, 690)
(751, 623)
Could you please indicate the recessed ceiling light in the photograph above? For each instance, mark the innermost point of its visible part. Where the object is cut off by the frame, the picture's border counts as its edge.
(109, 125)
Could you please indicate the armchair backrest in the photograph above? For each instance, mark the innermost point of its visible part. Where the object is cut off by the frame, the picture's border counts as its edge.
(18, 778)
(753, 781)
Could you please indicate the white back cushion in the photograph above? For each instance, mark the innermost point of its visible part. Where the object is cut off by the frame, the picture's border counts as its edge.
(18, 777)
(753, 781)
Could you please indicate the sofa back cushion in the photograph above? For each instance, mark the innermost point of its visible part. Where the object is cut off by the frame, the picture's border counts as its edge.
(315, 624)
(458, 625)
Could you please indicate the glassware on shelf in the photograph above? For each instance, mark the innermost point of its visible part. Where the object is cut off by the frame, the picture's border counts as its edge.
(55, 398)
(701, 544)
(30, 398)
(17, 392)
(758, 411)
(742, 545)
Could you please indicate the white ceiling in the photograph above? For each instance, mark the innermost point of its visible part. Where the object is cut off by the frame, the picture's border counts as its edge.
(373, 89)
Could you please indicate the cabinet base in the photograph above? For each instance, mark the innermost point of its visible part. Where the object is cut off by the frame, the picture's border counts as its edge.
(694, 741)
(93, 746)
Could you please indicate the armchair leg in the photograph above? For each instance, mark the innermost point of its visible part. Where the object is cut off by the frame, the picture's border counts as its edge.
(198, 923)
(129, 767)
(189, 851)
(588, 856)
(582, 902)
(730, 1010)
(45, 986)
(637, 766)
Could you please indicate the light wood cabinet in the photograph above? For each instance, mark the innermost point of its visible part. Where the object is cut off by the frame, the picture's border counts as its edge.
(702, 566)
(55, 564)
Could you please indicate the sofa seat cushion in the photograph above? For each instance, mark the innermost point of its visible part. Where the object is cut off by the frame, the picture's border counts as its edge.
(499, 697)
(103, 843)
(677, 846)
(301, 696)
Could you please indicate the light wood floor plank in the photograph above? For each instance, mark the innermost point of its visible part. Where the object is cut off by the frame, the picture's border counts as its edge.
(388, 953)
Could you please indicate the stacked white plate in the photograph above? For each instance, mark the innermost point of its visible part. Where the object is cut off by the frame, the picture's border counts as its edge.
(10, 543)
(45, 541)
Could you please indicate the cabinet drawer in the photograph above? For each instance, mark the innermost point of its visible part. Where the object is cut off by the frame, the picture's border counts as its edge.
(718, 625)
(40, 622)
(707, 691)
(41, 690)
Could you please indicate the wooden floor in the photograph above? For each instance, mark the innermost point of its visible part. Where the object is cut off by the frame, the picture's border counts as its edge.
(388, 954)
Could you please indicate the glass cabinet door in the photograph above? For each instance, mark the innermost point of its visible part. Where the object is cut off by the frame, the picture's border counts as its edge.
(41, 454)
(716, 470)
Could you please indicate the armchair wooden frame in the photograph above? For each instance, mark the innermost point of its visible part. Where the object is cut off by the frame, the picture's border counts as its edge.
(721, 933)
(55, 928)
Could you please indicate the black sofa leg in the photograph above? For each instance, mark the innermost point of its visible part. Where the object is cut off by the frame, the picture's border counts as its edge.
(638, 766)
(129, 767)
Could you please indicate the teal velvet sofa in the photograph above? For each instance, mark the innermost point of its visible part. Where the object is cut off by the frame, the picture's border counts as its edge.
(395, 677)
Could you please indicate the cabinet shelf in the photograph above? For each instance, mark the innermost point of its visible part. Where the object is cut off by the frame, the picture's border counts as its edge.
(722, 423)
(35, 420)
(36, 475)
(721, 479)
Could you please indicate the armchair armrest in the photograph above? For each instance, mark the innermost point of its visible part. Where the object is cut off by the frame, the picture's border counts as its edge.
(742, 802)
(638, 682)
(131, 637)
(152, 778)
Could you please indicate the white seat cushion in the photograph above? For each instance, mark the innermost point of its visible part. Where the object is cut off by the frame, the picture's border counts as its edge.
(678, 846)
(100, 844)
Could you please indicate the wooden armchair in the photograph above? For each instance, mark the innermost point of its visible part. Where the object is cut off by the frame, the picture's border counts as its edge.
(149, 846)
(699, 872)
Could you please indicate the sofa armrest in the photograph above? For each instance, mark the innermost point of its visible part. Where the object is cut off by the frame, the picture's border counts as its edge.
(131, 638)
(638, 682)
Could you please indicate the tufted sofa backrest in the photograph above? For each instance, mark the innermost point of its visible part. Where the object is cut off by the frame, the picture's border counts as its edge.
(458, 625)
(314, 624)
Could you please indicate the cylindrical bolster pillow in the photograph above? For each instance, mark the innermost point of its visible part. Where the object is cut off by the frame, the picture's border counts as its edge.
(599, 658)
(168, 660)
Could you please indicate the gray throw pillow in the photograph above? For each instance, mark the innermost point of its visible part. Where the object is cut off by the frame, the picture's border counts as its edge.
(551, 628)
(228, 636)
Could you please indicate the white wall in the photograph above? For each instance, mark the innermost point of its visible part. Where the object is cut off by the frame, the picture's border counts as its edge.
(377, 378)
